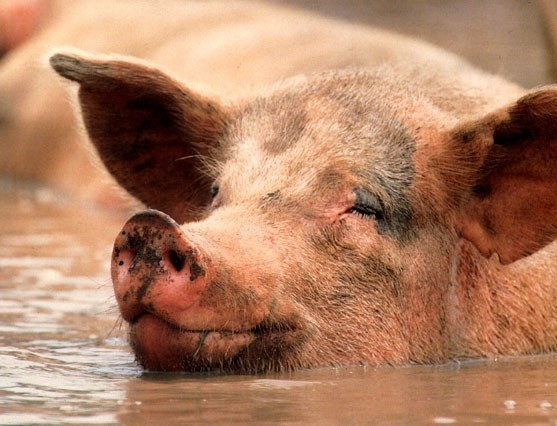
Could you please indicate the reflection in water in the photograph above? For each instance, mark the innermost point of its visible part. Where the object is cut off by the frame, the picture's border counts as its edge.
(472, 392)
(61, 355)
(64, 357)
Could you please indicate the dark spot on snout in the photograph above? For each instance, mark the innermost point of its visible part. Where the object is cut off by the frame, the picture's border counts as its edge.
(146, 281)
(141, 240)
(150, 256)
(196, 270)
(145, 253)
(146, 262)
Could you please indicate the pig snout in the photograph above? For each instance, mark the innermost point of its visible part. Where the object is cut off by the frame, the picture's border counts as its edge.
(150, 252)
(162, 280)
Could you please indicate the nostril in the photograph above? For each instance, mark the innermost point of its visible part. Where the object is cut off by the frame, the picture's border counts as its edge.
(176, 259)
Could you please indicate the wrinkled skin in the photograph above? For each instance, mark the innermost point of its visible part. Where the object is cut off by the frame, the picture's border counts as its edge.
(341, 218)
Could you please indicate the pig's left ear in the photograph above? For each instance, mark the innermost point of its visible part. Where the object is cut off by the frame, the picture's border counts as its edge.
(511, 208)
(152, 134)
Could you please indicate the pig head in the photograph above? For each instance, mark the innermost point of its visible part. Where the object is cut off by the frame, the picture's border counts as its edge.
(342, 218)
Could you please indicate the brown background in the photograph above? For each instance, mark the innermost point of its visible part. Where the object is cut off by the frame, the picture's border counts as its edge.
(507, 37)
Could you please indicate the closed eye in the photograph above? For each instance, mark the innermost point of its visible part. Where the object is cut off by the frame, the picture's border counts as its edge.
(367, 205)
(214, 191)
(215, 199)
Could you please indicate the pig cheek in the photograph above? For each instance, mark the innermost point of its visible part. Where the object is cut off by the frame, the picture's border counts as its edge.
(240, 299)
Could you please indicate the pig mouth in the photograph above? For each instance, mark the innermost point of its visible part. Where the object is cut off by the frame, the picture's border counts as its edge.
(162, 346)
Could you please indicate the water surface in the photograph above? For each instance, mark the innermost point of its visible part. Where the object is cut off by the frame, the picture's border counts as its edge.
(64, 357)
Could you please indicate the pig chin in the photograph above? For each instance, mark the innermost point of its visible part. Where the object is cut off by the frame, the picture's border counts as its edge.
(162, 346)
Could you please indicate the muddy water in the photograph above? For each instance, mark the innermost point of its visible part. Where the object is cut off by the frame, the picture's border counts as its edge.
(64, 358)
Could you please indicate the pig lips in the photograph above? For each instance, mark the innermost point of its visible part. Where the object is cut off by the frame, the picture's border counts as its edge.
(161, 346)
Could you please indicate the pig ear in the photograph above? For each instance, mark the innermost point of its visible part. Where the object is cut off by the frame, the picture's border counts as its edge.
(512, 207)
(152, 134)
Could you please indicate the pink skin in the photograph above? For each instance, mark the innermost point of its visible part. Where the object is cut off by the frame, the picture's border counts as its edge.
(164, 347)
(19, 19)
(159, 277)
(164, 276)
(314, 237)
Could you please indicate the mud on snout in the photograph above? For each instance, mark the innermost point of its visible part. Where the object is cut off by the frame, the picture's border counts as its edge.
(191, 308)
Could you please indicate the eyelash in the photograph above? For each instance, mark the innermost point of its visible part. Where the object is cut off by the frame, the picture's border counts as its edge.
(367, 205)
(364, 212)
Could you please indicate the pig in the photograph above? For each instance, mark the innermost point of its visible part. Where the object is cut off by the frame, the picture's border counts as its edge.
(380, 215)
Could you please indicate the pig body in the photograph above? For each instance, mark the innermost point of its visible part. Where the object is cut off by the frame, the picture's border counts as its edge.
(397, 210)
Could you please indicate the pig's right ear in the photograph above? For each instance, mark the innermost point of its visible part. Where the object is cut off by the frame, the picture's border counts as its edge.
(508, 166)
(152, 134)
